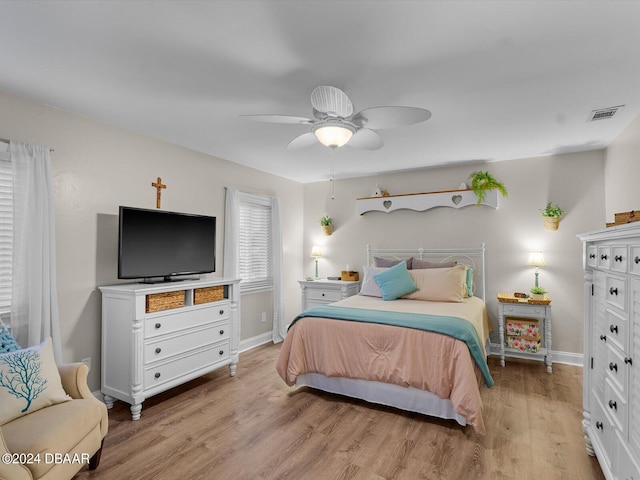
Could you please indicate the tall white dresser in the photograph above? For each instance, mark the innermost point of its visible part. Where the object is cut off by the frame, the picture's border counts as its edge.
(611, 395)
(155, 337)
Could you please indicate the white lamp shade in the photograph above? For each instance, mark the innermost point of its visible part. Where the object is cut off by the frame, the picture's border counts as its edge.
(333, 135)
(316, 251)
(536, 260)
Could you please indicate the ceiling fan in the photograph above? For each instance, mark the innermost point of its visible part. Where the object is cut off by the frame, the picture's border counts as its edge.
(334, 124)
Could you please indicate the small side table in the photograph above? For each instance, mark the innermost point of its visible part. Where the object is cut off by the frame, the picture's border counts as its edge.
(323, 291)
(510, 306)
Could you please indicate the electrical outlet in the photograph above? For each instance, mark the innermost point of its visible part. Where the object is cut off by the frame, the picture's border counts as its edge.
(264, 317)
(87, 361)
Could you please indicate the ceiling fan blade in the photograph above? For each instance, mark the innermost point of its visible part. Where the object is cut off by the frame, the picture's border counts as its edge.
(302, 141)
(366, 139)
(331, 100)
(279, 119)
(390, 117)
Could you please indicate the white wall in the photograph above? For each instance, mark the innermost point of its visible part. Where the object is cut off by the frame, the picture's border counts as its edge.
(574, 181)
(98, 167)
(622, 172)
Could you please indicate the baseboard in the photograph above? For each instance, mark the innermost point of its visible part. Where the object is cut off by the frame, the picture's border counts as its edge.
(253, 342)
(566, 358)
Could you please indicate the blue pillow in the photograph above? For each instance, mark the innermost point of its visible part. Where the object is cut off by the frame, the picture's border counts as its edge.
(395, 282)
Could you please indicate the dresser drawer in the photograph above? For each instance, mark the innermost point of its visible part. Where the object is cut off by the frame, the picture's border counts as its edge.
(616, 330)
(167, 346)
(619, 259)
(531, 311)
(616, 292)
(173, 322)
(603, 430)
(634, 259)
(617, 370)
(604, 257)
(324, 294)
(616, 406)
(592, 256)
(163, 372)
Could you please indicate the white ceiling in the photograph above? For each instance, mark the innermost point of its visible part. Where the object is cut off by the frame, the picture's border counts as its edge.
(503, 79)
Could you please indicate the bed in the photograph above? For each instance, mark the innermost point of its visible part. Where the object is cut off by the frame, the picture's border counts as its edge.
(423, 352)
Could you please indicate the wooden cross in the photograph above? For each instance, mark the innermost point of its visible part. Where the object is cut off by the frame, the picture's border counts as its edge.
(159, 186)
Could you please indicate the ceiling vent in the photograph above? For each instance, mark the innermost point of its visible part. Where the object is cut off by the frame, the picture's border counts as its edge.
(603, 113)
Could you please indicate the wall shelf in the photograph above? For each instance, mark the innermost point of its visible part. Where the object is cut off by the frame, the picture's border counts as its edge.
(425, 201)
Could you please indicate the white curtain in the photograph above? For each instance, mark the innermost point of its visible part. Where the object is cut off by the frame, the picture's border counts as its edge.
(34, 304)
(278, 332)
(230, 269)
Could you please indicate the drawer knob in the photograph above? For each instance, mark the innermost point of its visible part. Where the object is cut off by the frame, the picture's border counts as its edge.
(599, 426)
(221, 312)
(613, 366)
(323, 294)
(603, 337)
(158, 350)
(157, 375)
(613, 291)
(221, 332)
(158, 325)
(618, 258)
(221, 352)
(613, 328)
(636, 260)
(613, 405)
(592, 255)
(604, 257)
(628, 360)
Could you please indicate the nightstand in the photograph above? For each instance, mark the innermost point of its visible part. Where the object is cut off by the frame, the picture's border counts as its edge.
(515, 313)
(321, 292)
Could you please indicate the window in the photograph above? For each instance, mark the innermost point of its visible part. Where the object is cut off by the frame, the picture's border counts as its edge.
(6, 234)
(255, 250)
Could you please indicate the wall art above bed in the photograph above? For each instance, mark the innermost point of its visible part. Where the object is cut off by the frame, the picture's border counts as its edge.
(425, 201)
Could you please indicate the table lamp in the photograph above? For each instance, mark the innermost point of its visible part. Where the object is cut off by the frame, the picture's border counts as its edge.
(316, 252)
(536, 260)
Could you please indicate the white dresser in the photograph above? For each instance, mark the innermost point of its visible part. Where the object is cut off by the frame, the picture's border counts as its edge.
(321, 292)
(612, 349)
(155, 337)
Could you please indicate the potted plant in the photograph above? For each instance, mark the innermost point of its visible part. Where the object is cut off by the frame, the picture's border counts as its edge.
(327, 224)
(537, 293)
(483, 181)
(551, 216)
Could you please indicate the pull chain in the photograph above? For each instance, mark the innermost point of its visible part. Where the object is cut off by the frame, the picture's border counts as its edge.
(333, 196)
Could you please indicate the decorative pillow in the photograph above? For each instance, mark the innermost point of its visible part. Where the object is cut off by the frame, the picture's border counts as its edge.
(386, 263)
(440, 284)
(470, 282)
(395, 282)
(369, 286)
(7, 342)
(29, 381)
(419, 264)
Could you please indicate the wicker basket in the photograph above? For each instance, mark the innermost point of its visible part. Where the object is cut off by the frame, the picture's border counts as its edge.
(208, 294)
(156, 302)
(551, 223)
(349, 276)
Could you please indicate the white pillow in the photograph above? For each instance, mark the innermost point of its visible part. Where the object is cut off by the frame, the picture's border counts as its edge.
(440, 284)
(369, 286)
(29, 381)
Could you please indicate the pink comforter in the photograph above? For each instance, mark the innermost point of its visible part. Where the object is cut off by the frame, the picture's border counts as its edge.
(429, 361)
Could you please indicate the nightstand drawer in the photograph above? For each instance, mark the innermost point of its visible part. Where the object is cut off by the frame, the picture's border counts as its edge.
(326, 295)
(533, 311)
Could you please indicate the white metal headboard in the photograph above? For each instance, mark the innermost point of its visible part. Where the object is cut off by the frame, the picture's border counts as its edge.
(468, 256)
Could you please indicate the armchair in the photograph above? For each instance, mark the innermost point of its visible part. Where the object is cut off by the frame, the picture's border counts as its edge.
(66, 436)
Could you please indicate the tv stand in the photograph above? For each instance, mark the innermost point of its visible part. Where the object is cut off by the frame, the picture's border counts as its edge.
(166, 279)
(158, 336)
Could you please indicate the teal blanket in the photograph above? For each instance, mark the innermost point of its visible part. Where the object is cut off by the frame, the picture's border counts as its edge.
(451, 326)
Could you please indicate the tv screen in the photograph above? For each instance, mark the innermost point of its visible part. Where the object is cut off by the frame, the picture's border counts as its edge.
(155, 243)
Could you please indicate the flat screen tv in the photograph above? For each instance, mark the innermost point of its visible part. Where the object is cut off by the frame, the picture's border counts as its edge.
(155, 243)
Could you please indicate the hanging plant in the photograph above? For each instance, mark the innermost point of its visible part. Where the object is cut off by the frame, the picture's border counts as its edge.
(483, 181)
(551, 216)
(326, 222)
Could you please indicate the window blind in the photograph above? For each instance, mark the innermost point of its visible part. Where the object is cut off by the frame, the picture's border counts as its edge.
(6, 235)
(255, 257)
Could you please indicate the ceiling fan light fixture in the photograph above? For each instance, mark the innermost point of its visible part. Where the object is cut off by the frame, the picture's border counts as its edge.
(333, 134)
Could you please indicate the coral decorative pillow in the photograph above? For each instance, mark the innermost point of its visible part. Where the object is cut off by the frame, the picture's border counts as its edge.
(369, 286)
(395, 282)
(440, 284)
(29, 381)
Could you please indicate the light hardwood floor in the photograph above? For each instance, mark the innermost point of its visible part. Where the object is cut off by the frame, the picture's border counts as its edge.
(255, 427)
